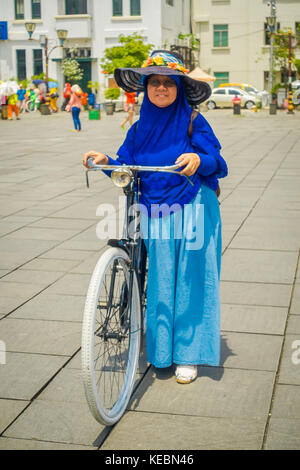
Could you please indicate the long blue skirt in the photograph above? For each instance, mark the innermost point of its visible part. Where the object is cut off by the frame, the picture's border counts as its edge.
(183, 302)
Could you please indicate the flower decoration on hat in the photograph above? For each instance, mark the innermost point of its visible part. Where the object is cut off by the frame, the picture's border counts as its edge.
(165, 60)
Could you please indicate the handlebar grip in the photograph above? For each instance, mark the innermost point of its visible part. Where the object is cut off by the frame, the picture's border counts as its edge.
(90, 162)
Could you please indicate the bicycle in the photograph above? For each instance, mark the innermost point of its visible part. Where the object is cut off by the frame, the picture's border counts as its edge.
(114, 313)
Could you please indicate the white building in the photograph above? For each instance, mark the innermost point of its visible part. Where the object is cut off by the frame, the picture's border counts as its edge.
(234, 45)
(92, 25)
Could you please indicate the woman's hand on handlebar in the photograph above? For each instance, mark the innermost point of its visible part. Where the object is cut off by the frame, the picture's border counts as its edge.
(98, 158)
(190, 161)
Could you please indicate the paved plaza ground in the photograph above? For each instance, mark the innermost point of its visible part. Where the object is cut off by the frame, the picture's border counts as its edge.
(48, 249)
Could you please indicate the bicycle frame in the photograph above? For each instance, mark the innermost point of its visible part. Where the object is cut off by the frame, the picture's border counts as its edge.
(132, 242)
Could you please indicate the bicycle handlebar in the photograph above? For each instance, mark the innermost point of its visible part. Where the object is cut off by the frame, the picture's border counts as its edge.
(170, 168)
(165, 169)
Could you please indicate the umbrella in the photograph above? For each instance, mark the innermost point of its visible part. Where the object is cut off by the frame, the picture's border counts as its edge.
(9, 88)
(38, 81)
(200, 75)
(52, 85)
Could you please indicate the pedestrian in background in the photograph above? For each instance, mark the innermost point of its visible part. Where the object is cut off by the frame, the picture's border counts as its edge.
(67, 95)
(21, 98)
(84, 101)
(91, 100)
(129, 107)
(75, 106)
(13, 107)
(53, 100)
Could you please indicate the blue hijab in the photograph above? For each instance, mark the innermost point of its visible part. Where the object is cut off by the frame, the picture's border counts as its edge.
(159, 138)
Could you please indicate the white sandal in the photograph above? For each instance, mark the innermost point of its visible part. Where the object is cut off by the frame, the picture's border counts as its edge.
(185, 374)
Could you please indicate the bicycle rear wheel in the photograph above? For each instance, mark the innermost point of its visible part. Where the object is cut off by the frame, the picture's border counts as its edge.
(110, 337)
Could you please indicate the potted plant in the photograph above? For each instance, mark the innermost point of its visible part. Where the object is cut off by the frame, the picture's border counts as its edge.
(111, 94)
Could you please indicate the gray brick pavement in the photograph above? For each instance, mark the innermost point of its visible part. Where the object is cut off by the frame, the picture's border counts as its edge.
(48, 249)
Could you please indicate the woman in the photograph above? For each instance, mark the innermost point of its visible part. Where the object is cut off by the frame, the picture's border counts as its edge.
(129, 107)
(183, 305)
(13, 107)
(75, 106)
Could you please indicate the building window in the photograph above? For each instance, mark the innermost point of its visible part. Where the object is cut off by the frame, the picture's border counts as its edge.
(221, 35)
(221, 77)
(19, 9)
(267, 33)
(117, 7)
(35, 9)
(76, 7)
(170, 2)
(21, 64)
(135, 7)
(37, 61)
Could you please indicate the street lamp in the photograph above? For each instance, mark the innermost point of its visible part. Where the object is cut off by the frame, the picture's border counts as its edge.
(62, 36)
(292, 43)
(271, 23)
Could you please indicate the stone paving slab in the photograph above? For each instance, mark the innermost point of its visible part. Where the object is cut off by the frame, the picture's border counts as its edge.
(287, 402)
(8, 304)
(293, 326)
(63, 422)
(259, 266)
(197, 433)
(217, 392)
(283, 434)
(38, 233)
(23, 276)
(28, 444)
(295, 306)
(14, 384)
(9, 410)
(71, 284)
(268, 233)
(253, 319)
(290, 365)
(250, 351)
(40, 337)
(254, 293)
(63, 223)
(49, 265)
(19, 289)
(63, 254)
(54, 307)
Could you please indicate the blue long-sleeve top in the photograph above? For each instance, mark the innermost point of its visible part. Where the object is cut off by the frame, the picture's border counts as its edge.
(171, 189)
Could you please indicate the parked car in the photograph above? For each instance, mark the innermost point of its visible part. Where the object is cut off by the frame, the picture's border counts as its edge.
(243, 86)
(222, 98)
(296, 84)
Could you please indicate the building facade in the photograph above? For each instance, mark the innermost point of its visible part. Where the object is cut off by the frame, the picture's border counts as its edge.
(234, 44)
(92, 26)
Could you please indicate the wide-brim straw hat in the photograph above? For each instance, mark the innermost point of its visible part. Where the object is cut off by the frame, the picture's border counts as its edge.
(162, 62)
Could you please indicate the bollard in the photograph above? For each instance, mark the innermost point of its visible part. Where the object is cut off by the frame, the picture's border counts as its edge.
(273, 108)
(236, 108)
(4, 111)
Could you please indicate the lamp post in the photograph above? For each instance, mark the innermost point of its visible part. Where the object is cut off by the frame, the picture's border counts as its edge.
(271, 22)
(44, 41)
(292, 43)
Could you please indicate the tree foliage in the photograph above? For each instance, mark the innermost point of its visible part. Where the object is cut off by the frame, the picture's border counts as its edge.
(131, 52)
(72, 70)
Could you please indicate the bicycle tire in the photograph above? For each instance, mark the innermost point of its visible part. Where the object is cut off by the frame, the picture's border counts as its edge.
(104, 331)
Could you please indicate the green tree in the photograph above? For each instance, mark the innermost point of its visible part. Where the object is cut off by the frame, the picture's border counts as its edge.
(72, 70)
(281, 55)
(131, 53)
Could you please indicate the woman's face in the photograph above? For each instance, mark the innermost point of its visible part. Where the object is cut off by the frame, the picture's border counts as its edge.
(162, 90)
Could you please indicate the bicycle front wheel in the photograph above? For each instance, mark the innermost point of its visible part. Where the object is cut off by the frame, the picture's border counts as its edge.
(111, 337)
